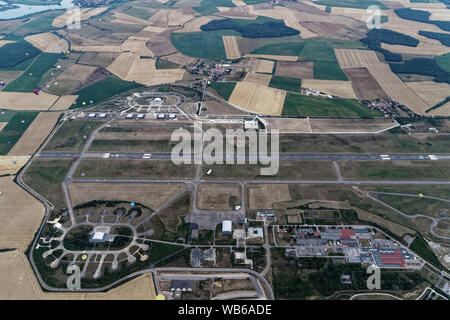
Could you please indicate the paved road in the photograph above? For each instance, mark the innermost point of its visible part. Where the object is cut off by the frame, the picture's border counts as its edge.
(283, 156)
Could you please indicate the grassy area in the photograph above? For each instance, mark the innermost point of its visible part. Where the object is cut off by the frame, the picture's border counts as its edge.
(18, 122)
(420, 247)
(415, 205)
(436, 191)
(288, 169)
(224, 89)
(301, 105)
(365, 143)
(71, 136)
(402, 170)
(31, 79)
(45, 177)
(103, 90)
(285, 83)
(206, 44)
(115, 168)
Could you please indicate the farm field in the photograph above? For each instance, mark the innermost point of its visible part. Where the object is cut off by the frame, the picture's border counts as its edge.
(20, 216)
(48, 42)
(285, 83)
(257, 98)
(18, 123)
(263, 79)
(231, 47)
(263, 66)
(389, 82)
(266, 196)
(341, 89)
(300, 105)
(17, 276)
(31, 79)
(9, 165)
(35, 134)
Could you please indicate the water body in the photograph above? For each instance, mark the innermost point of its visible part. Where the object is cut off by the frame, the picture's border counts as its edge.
(24, 9)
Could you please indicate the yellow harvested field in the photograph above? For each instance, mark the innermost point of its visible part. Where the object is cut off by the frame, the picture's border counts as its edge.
(431, 92)
(180, 58)
(272, 57)
(129, 66)
(127, 19)
(64, 103)
(427, 47)
(342, 89)
(154, 29)
(263, 79)
(48, 42)
(265, 66)
(315, 5)
(3, 42)
(290, 17)
(26, 100)
(162, 1)
(231, 47)
(257, 98)
(137, 46)
(12, 164)
(438, 14)
(152, 195)
(441, 111)
(97, 48)
(35, 134)
(195, 24)
(77, 72)
(178, 17)
(19, 283)
(20, 216)
(68, 17)
(348, 58)
(391, 84)
(2, 125)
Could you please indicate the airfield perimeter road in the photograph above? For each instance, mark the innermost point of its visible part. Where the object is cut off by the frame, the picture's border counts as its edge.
(283, 156)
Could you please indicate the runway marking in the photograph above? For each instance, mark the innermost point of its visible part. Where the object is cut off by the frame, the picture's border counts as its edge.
(432, 157)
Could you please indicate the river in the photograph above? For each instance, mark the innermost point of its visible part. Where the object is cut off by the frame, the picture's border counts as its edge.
(24, 9)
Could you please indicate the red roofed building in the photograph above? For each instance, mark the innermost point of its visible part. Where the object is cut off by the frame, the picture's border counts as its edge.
(316, 233)
(347, 233)
(396, 258)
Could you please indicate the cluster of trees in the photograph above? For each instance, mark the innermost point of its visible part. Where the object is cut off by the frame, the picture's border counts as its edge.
(268, 29)
(373, 41)
(441, 37)
(421, 16)
(12, 54)
(423, 66)
(392, 37)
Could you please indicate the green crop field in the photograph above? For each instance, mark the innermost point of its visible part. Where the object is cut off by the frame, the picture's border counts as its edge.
(31, 78)
(285, 83)
(300, 105)
(328, 70)
(15, 53)
(44, 22)
(102, 90)
(359, 4)
(206, 44)
(444, 61)
(224, 89)
(210, 6)
(12, 132)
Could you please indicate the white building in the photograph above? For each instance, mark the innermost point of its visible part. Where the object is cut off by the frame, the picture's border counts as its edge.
(227, 227)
